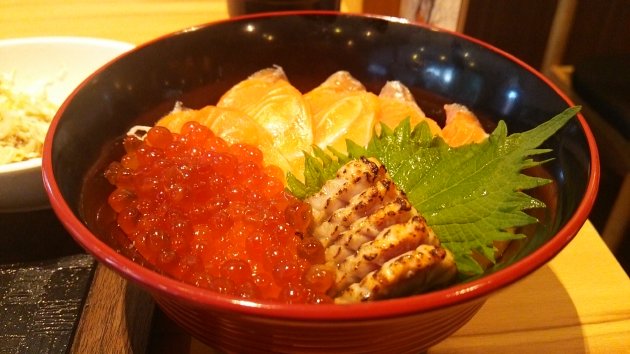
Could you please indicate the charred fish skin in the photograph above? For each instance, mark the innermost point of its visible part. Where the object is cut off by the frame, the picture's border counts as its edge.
(351, 179)
(361, 205)
(367, 228)
(376, 241)
(421, 268)
(390, 243)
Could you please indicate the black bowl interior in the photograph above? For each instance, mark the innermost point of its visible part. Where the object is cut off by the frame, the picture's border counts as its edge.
(197, 66)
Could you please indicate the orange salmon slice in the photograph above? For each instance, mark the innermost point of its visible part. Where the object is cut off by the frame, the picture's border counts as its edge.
(342, 109)
(271, 101)
(397, 103)
(462, 126)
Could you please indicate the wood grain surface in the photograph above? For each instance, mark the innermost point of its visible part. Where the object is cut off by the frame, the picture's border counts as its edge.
(116, 316)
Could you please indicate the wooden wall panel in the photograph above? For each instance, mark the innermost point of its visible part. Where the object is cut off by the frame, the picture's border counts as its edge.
(520, 27)
(599, 28)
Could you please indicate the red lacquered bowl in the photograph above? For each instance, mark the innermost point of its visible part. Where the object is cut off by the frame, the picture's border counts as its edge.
(199, 64)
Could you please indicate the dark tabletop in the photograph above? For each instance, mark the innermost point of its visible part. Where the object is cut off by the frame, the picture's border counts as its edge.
(44, 279)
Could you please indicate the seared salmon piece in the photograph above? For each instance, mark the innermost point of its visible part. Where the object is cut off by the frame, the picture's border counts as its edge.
(369, 229)
(350, 180)
(415, 270)
(390, 243)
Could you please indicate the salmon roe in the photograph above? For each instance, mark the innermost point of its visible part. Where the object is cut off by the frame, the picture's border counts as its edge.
(211, 214)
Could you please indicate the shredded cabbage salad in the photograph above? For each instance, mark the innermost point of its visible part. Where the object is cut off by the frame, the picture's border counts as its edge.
(24, 120)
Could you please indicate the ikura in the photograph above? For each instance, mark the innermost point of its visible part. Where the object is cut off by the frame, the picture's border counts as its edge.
(211, 214)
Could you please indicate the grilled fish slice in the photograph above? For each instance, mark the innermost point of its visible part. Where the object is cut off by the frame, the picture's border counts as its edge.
(366, 224)
(351, 179)
(390, 243)
(421, 268)
(368, 227)
(361, 205)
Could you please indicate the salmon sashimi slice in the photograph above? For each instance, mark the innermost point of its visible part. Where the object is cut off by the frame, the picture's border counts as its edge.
(352, 117)
(462, 126)
(342, 109)
(336, 86)
(232, 126)
(397, 103)
(272, 102)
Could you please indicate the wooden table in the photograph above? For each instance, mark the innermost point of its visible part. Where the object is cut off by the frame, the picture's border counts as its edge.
(578, 303)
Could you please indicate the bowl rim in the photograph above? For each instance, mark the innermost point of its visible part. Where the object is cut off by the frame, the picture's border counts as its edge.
(19, 166)
(475, 290)
(54, 40)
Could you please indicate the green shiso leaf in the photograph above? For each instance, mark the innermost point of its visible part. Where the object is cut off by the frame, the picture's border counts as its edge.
(318, 168)
(470, 195)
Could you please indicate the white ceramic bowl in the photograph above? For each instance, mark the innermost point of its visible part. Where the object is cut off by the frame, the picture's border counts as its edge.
(57, 65)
